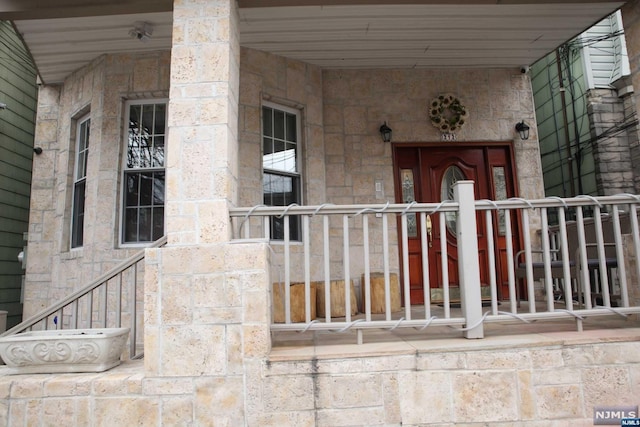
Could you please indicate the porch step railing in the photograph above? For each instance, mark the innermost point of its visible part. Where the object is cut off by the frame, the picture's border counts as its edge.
(541, 259)
(111, 300)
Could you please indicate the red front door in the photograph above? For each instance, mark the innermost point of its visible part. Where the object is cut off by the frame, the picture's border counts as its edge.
(426, 173)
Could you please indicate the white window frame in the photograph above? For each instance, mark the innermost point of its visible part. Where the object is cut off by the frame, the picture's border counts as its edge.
(299, 172)
(125, 169)
(81, 158)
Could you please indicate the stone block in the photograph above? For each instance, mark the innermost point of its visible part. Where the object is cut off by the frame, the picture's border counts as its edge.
(578, 356)
(219, 401)
(4, 413)
(167, 386)
(114, 384)
(288, 393)
(18, 412)
(616, 353)
(558, 402)
(177, 411)
(485, 396)
(290, 418)
(426, 397)
(28, 387)
(556, 376)
(176, 300)
(58, 411)
(441, 361)
(526, 395)
(607, 385)
(492, 360)
(127, 411)
(202, 345)
(351, 417)
(350, 391)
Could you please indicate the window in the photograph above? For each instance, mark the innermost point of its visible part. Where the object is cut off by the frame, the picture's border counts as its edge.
(80, 181)
(280, 166)
(144, 175)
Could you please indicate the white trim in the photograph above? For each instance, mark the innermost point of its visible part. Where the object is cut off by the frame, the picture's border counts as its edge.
(123, 165)
(297, 112)
(586, 63)
(299, 166)
(76, 157)
(625, 69)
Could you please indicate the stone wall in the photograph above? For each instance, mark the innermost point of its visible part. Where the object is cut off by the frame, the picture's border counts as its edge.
(612, 155)
(357, 102)
(100, 89)
(343, 154)
(546, 379)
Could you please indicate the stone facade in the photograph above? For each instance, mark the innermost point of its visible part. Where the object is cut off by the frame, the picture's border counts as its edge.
(613, 159)
(343, 155)
(208, 357)
(100, 89)
(549, 379)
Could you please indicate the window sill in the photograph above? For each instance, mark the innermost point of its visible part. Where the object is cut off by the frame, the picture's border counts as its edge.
(72, 254)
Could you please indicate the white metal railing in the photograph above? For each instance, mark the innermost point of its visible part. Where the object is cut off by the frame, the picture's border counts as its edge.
(574, 268)
(111, 300)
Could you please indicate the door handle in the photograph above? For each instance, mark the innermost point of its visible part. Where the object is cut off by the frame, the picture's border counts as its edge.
(429, 233)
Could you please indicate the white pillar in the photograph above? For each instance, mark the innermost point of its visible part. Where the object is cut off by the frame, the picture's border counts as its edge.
(468, 265)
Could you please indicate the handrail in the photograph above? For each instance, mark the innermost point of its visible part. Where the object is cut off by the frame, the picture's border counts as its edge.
(40, 316)
(367, 232)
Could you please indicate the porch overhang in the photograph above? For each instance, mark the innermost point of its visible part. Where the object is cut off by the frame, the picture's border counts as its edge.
(64, 35)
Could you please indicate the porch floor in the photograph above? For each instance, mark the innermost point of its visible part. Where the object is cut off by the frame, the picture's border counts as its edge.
(323, 344)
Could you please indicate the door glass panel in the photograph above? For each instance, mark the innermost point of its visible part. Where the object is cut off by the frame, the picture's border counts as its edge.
(452, 175)
(408, 196)
(500, 191)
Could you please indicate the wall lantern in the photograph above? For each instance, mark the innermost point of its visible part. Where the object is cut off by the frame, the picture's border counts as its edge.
(523, 130)
(385, 132)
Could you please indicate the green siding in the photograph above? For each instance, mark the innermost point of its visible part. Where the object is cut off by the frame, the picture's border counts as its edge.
(551, 125)
(18, 91)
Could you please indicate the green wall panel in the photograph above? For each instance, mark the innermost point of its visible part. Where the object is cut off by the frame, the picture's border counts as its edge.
(18, 91)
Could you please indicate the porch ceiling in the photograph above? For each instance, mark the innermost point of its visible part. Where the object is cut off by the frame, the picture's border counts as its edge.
(64, 35)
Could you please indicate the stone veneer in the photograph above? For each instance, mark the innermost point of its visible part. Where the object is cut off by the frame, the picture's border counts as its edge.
(208, 358)
(342, 153)
(613, 156)
(536, 380)
(100, 89)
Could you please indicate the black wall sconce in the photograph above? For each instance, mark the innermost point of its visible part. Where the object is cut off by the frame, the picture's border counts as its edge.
(385, 132)
(523, 130)
(37, 150)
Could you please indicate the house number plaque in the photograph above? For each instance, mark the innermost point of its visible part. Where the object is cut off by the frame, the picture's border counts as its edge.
(448, 137)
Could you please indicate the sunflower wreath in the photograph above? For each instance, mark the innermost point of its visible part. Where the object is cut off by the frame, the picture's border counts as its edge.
(447, 113)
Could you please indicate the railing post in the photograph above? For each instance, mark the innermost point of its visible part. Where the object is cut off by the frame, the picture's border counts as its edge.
(468, 265)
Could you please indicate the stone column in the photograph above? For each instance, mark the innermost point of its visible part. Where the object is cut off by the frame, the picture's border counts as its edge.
(206, 297)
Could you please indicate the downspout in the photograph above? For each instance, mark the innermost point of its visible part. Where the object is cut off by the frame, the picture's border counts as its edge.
(566, 124)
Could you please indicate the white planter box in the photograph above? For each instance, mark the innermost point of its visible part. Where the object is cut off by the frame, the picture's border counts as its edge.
(70, 350)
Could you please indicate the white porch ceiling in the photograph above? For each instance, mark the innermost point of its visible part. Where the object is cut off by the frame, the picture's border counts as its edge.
(424, 34)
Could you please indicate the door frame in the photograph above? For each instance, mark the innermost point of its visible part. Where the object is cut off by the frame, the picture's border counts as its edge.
(509, 148)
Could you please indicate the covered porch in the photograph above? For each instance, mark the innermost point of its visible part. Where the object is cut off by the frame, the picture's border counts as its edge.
(204, 309)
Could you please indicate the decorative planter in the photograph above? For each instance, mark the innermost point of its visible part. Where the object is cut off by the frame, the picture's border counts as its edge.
(70, 350)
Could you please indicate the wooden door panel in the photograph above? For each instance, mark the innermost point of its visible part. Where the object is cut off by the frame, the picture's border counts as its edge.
(428, 164)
